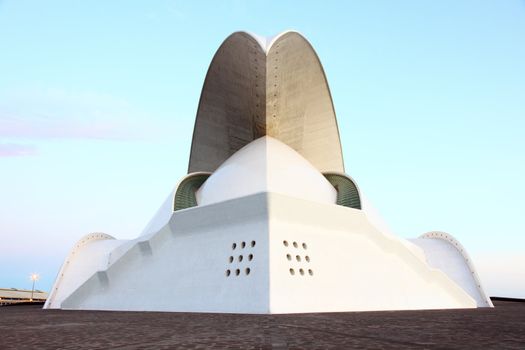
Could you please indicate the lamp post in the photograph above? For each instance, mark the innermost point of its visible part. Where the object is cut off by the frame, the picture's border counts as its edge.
(34, 278)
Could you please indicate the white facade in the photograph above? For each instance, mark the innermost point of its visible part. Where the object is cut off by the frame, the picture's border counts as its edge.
(267, 232)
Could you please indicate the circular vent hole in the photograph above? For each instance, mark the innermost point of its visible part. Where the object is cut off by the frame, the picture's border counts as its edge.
(243, 244)
(301, 271)
(307, 258)
(310, 272)
(237, 272)
(228, 272)
(247, 271)
(234, 245)
(304, 246)
(231, 259)
(295, 244)
(285, 243)
(289, 257)
(250, 257)
(298, 258)
(253, 244)
(292, 272)
(240, 258)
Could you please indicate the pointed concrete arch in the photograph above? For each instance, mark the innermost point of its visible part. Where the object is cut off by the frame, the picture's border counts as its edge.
(257, 87)
(299, 108)
(231, 110)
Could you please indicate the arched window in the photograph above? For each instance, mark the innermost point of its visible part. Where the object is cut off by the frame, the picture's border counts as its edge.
(185, 194)
(347, 191)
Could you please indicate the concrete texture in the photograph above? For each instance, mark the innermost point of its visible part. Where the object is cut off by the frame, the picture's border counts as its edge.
(29, 327)
(249, 93)
(299, 108)
(232, 106)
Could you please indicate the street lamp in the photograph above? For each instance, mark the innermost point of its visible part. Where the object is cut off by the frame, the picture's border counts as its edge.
(34, 277)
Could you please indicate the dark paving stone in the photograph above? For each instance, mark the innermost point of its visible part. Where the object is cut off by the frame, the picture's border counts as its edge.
(29, 327)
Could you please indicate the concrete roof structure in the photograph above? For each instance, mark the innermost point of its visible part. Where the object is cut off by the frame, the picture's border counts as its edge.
(254, 88)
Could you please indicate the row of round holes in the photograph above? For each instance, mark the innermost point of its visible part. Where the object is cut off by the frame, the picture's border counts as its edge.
(237, 272)
(275, 85)
(240, 258)
(301, 271)
(298, 258)
(295, 244)
(256, 76)
(243, 245)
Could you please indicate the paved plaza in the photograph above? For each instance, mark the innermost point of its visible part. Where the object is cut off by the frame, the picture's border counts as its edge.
(29, 327)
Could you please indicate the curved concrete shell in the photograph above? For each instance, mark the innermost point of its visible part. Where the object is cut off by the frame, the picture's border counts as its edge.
(232, 107)
(299, 108)
(253, 90)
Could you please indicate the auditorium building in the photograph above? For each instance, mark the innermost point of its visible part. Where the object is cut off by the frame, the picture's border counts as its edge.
(267, 220)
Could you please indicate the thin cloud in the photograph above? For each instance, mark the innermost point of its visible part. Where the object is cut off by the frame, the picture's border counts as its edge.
(56, 113)
(17, 150)
(33, 126)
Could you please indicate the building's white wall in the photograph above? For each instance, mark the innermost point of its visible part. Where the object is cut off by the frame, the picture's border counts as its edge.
(355, 267)
(373, 215)
(183, 267)
(266, 165)
(162, 216)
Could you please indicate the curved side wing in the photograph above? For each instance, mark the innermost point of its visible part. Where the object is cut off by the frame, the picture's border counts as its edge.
(444, 252)
(87, 256)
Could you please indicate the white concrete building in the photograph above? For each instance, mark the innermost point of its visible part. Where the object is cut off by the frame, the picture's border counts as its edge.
(266, 221)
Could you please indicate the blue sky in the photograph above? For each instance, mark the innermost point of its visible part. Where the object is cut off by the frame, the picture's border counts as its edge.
(98, 101)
